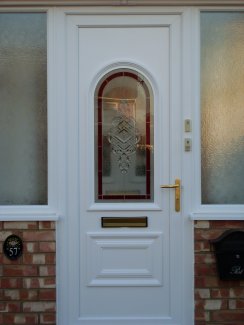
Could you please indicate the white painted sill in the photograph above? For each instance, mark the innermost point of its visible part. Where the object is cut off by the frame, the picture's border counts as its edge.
(218, 213)
(34, 213)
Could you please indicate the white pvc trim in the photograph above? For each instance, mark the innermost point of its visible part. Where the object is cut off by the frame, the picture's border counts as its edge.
(201, 211)
(55, 199)
(222, 215)
(122, 3)
(19, 217)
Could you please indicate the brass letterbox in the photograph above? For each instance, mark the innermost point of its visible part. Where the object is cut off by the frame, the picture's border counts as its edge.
(117, 222)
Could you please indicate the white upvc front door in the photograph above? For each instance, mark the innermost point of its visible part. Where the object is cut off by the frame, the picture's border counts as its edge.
(123, 275)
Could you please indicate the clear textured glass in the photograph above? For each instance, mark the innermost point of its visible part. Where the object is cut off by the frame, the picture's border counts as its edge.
(222, 107)
(124, 137)
(23, 109)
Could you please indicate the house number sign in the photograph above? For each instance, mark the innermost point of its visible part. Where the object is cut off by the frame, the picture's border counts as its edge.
(13, 247)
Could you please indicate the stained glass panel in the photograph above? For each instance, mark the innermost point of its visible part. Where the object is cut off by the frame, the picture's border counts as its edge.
(124, 137)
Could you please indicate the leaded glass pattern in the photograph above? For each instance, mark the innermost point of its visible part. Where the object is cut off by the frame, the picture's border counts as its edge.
(124, 137)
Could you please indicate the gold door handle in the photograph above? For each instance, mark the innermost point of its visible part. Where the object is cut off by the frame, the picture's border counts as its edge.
(176, 186)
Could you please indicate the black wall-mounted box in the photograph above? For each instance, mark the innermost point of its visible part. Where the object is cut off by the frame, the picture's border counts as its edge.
(229, 252)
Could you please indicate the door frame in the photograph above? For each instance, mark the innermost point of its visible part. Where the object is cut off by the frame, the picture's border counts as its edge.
(64, 231)
(58, 144)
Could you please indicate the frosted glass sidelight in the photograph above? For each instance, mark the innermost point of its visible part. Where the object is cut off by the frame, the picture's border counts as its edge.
(23, 109)
(124, 137)
(222, 106)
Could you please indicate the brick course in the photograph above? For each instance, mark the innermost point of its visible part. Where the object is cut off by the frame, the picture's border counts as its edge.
(27, 286)
(28, 290)
(217, 302)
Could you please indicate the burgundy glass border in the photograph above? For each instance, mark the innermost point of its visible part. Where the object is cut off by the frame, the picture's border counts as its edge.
(101, 196)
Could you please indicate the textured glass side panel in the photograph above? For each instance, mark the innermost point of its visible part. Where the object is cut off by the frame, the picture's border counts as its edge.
(124, 138)
(222, 105)
(23, 108)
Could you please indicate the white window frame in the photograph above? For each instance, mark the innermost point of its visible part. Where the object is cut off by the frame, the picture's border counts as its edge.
(56, 109)
(206, 211)
(47, 212)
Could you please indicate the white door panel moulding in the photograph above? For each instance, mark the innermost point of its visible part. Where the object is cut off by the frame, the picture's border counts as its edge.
(140, 267)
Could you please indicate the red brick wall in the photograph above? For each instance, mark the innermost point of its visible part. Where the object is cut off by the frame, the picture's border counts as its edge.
(216, 301)
(27, 286)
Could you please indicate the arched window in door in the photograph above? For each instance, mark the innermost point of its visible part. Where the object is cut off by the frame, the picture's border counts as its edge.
(124, 135)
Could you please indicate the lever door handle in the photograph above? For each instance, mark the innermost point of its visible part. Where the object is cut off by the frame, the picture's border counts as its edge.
(177, 188)
(170, 186)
